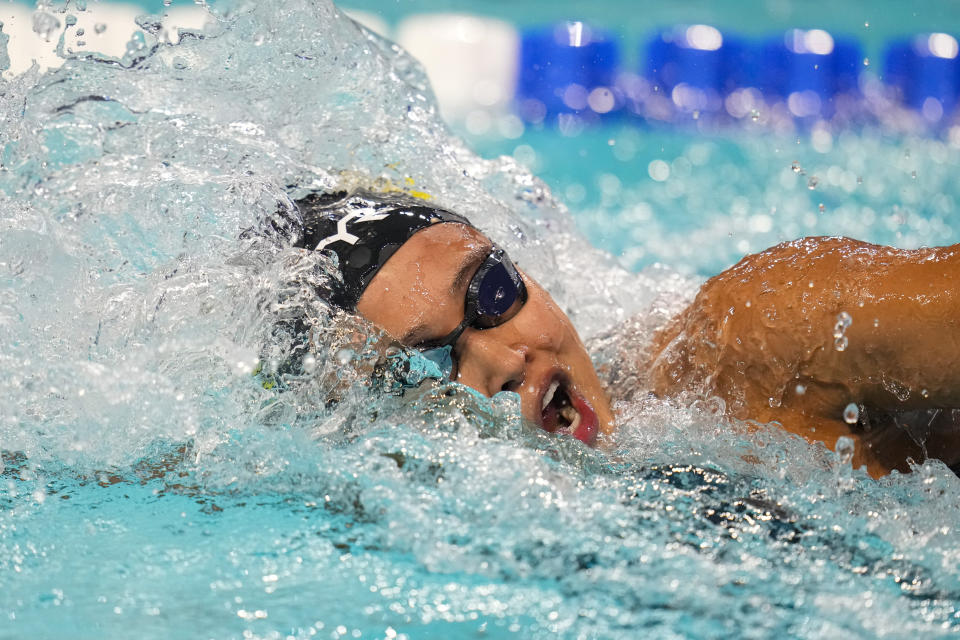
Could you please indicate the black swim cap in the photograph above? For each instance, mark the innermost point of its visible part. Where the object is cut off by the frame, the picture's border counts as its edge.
(363, 229)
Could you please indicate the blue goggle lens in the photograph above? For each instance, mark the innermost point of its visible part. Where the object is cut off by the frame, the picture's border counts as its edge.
(496, 293)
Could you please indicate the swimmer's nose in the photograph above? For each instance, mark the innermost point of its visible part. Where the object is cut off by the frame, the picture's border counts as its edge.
(490, 365)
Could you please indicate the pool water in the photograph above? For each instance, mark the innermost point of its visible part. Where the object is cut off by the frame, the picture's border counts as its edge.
(154, 485)
(698, 203)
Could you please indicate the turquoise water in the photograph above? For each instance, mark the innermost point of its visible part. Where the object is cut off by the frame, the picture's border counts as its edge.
(152, 486)
(718, 197)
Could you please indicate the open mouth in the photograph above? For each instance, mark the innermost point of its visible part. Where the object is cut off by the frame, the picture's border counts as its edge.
(562, 410)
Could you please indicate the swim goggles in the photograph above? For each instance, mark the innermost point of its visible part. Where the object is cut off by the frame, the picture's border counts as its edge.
(496, 294)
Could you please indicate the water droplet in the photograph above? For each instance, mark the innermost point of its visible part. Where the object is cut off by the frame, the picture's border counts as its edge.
(344, 356)
(845, 448)
(866, 62)
(258, 40)
(840, 341)
(801, 389)
(796, 167)
(309, 364)
(696, 114)
(754, 115)
(44, 24)
(813, 182)
(859, 179)
(924, 393)
(80, 31)
(851, 413)
(70, 20)
(913, 174)
(100, 27)
(876, 322)
(866, 25)
(821, 208)
(844, 320)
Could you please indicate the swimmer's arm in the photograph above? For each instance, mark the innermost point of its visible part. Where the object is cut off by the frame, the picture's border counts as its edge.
(761, 335)
(900, 348)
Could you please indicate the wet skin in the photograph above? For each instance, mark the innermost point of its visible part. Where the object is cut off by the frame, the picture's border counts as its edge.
(761, 336)
(419, 295)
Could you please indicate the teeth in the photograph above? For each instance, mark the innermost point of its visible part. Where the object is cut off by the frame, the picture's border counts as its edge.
(572, 416)
(548, 396)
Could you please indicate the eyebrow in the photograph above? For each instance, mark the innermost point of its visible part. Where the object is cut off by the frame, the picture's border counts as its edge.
(467, 267)
(469, 264)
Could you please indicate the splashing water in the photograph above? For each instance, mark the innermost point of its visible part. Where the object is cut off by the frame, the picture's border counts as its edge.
(164, 471)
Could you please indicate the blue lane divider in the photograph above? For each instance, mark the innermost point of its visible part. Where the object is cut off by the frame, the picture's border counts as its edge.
(569, 68)
(808, 68)
(694, 69)
(925, 73)
(688, 64)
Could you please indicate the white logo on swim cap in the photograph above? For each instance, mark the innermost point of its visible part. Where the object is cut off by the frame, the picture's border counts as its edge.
(342, 234)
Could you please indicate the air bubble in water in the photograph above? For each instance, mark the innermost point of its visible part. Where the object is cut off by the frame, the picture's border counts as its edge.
(309, 364)
(754, 115)
(821, 208)
(345, 356)
(100, 27)
(801, 389)
(812, 183)
(80, 31)
(851, 413)
(796, 167)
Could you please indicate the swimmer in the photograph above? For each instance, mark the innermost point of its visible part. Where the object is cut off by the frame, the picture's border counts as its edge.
(827, 337)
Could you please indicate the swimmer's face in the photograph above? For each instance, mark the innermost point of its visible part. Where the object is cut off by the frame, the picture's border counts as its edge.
(419, 295)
